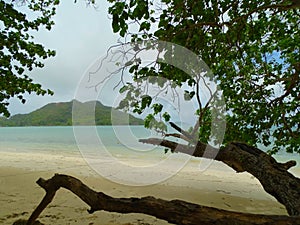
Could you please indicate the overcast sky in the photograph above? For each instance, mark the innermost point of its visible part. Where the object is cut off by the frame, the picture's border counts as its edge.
(80, 35)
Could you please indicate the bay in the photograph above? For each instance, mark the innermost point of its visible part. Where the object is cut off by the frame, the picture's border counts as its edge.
(62, 138)
(120, 141)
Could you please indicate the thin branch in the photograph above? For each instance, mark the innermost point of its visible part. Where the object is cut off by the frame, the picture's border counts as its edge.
(178, 136)
(183, 132)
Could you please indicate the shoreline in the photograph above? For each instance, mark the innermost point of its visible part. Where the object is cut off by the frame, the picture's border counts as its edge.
(218, 186)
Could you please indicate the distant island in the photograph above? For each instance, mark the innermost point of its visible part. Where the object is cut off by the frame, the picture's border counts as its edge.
(60, 114)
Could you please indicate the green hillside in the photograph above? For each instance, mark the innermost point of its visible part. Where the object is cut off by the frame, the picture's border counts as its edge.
(60, 114)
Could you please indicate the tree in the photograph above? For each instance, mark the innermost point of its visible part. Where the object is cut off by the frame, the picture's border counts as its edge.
(252, 49)
(19, 53)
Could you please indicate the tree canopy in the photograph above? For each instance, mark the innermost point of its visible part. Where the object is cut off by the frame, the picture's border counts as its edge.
(19, 54)
(252, 48)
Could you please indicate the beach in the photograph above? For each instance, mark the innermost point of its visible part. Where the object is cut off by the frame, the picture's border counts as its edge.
(217, 186)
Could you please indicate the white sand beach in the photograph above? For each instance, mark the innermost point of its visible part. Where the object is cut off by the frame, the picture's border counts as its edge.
(218, 186)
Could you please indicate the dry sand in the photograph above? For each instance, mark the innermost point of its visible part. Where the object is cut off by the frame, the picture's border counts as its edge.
(217, 186)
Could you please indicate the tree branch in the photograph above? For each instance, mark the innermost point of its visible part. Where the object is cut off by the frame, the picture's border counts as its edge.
(273, 176)
(183, 132)
(178, 136)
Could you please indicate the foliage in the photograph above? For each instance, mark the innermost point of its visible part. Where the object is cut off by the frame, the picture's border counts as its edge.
(252, 47)
(19, 54)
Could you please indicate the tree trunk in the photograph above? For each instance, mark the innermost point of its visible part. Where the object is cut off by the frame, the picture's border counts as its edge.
(273, 176)
(175, 211)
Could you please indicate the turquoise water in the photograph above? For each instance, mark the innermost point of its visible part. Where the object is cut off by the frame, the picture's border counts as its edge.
(62, 140)
(119, 140)
(37, 139)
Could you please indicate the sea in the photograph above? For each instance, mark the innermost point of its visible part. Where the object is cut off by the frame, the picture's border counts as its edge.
(103, 148)
(66, 139)
(114, 152)
(81, 141)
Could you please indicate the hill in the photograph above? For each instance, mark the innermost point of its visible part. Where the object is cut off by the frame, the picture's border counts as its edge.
(60, 114)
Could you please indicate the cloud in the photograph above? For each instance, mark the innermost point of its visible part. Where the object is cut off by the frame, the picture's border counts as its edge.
(80, 35)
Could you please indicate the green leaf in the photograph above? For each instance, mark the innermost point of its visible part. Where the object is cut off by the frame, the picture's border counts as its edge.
(253, 56)
(146, 101)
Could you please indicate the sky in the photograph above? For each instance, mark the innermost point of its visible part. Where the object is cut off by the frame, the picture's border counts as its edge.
(80, 35)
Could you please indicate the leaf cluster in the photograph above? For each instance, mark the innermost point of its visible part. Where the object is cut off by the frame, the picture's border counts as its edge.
(252, 47)
(19, 54)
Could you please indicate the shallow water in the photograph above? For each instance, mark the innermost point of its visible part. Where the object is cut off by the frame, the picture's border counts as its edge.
(105, 142)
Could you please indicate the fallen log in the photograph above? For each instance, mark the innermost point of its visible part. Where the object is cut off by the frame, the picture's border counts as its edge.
(175, 211)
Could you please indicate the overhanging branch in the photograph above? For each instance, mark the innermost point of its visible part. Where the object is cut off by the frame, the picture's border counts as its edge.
(273, 176)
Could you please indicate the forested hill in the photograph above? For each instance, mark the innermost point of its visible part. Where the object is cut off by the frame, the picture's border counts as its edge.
(60, 114)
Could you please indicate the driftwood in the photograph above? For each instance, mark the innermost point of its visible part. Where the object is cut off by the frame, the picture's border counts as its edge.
(24, 222)
(175, 211)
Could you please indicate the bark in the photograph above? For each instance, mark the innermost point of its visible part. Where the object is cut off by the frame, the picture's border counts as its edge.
(24, 222)
(175, 211)
(273, 176)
